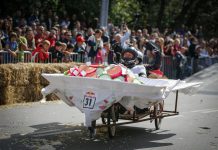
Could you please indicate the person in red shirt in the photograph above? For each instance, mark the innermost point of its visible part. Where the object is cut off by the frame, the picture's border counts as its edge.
(42, 51)
(99, 56)
(52, 37)
(39, 35)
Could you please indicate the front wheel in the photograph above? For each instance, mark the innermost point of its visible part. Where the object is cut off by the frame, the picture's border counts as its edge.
(92, 130)
(158, 109)
(111, 121)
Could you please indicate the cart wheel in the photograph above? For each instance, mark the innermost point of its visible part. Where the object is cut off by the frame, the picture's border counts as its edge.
(111, 120)
(92, 130)
(103, 120)
(158, 109)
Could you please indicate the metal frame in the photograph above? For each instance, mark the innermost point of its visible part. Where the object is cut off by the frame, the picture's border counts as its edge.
(165, 113)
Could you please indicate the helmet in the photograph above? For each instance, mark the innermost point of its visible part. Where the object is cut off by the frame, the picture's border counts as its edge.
(152, 46)
(129, 61)
(139, 57)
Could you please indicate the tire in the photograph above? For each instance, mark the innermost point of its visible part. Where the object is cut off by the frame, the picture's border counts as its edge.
(111, 120)
(158, 109)
(92, 130)
(103, 120)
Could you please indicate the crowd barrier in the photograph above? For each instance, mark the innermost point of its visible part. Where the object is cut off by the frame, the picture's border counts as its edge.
(6, 57)
(168, 66)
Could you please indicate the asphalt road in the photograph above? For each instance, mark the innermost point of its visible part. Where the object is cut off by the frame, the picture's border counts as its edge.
(54, 125)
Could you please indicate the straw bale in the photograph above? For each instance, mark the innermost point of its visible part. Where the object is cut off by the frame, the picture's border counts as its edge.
(23, 82)
(5, 75)
(15, 94)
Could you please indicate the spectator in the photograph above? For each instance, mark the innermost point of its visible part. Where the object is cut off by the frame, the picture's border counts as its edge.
(34, 27)
(20, 37)
(48, 20)
(52, 37)
(120, 43)
(30, 40)
(203, 50)
(42, 51)
(77, 27)
(145, 33)
(109, 55)
(94, 44)
(160, 43)
(22, 48)
(39, 35)
(33, 17)
(176, 47)
(105, 36)
(153, 37)
(11, 46)
(80, 48)
(169, 47)
(193, 53)
(57, 51)
(3, 36)
(142, 45)
(67, 39)
(154, 57)
(67, 53)
(139, 36)
(7, 28)
(90, 32)
(66, 22)
(181, 62)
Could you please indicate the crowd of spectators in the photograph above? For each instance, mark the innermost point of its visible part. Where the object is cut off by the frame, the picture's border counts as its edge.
(59, 38)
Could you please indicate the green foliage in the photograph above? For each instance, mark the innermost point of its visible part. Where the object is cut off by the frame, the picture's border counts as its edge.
(123, 11)
(157, 13)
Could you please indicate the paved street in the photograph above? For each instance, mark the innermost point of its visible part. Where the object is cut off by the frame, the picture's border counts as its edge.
(54, 125)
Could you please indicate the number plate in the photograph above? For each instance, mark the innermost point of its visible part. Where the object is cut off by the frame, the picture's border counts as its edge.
(89, 102)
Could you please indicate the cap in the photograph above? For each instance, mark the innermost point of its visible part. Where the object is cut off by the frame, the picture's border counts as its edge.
(58, 43)
(80, 39)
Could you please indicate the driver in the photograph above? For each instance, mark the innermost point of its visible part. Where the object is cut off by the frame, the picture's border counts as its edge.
(132, 59)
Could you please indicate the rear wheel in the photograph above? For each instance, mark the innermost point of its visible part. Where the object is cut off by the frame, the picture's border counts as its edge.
(158, 109)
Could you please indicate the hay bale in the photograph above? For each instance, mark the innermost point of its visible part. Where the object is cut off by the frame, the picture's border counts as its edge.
(23, 82)
(15, 94)
(5, 75)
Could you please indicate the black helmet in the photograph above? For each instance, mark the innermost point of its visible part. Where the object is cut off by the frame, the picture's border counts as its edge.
(139, 57)
(152, 46)
(129, 62)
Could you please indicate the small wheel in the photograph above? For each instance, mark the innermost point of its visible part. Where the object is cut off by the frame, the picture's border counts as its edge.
(104, 117)
(92, 130)
(103, 120)
(111, 120)
(158, 109)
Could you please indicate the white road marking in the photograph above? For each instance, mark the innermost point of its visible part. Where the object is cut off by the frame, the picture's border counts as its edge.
(210, 111)
(202, 110)
(177, 116)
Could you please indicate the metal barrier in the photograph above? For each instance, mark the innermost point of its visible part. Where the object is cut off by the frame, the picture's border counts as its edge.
(77, 57)
(73, 57)
(35, 58)
(6, 57)
(169, 68)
